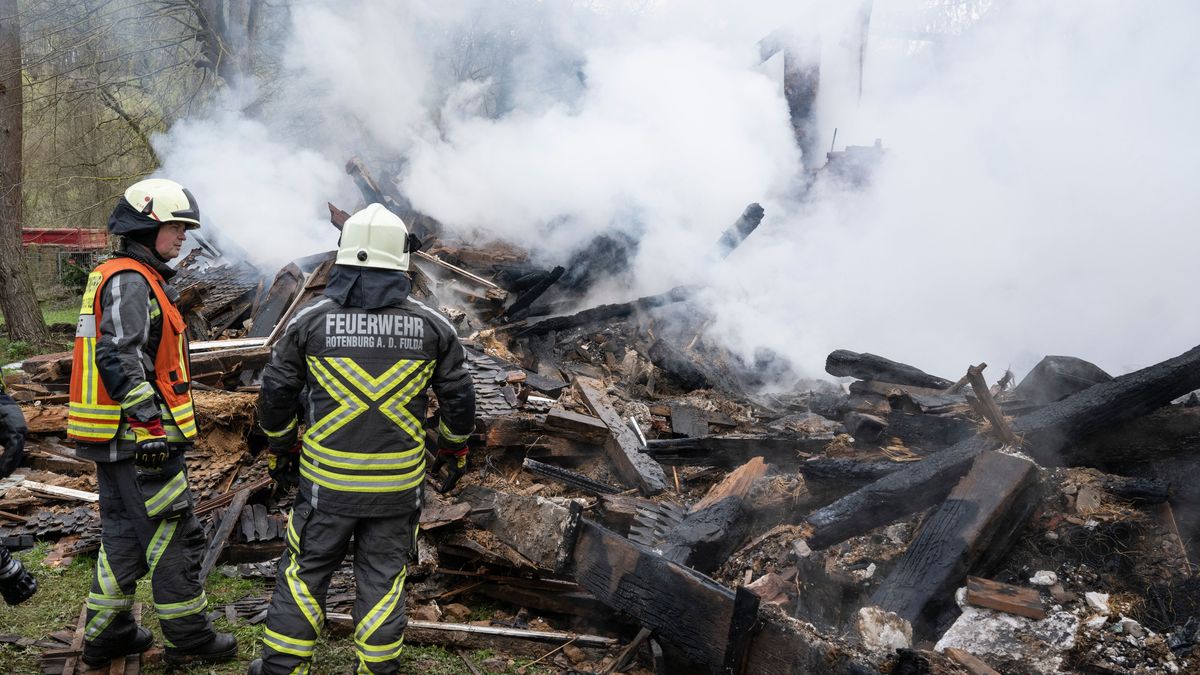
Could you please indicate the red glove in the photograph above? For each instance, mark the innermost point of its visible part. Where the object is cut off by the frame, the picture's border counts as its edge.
(151, 438)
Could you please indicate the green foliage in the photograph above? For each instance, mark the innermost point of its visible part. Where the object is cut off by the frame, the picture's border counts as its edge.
(73, 276)
(15, 350)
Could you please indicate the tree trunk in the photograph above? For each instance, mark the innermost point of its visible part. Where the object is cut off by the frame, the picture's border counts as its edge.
(21, 311)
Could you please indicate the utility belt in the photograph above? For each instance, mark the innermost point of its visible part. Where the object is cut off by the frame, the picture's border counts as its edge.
(164, 490)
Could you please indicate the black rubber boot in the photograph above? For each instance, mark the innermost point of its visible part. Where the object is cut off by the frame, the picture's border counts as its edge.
(223, 647)
(255, 667)
(96, 655)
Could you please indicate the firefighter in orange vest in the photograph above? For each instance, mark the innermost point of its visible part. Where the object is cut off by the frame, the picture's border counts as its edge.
(131, 412)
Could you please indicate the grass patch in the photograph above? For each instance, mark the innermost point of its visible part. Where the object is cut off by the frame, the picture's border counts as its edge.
(60, 595)
(62, 592)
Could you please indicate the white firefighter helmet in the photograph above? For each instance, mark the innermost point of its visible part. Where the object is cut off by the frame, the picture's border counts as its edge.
(374, 237)
(165, 201)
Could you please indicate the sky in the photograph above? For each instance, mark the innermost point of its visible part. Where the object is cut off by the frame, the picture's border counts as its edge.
(1036, 194)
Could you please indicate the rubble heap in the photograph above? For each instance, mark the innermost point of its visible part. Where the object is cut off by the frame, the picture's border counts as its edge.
(635, 499)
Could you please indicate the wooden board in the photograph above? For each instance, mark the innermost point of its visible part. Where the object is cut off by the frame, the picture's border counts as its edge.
(582, 427)
(682, 606)
(978, 521)
(728, 452)
(624, 448)
(1005, 598)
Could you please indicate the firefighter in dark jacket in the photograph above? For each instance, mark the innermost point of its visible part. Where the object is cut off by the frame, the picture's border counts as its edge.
(131, 412)
(363, 356)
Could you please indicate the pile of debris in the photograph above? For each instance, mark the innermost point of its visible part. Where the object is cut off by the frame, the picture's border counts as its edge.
(635, 503)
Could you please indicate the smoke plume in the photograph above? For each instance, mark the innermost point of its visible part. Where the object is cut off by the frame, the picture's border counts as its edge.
(1034, 197)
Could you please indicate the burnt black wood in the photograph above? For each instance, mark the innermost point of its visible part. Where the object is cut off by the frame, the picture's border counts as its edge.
(608, 312)
(979, 520)
(871, 367)
(733, 451)
(1046, 433)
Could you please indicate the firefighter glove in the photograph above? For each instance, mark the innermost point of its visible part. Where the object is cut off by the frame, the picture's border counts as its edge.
(283, 465)
(151, 438)
(453, 456)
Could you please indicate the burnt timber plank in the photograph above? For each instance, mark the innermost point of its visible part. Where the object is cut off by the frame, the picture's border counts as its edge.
(716, 525)
(568, 477)
(583, 427)
(682, 606)
(728, 452)
(623, 447)
(1045, 434)
(844, 362)
(981, 516)
(1005, 598)
(608, 312)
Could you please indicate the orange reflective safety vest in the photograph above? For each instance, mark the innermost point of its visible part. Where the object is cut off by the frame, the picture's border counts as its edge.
(93, 416)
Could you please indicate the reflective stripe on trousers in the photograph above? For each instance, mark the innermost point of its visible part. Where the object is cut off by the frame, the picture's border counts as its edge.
(316, 544)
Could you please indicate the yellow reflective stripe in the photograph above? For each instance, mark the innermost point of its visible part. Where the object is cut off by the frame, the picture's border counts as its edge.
(100, 602)
(155, 310)
(379, 653)
(450, 435)
(350, 406)
(178, 610)
(97, 409)
(291, 426)
(308, 604)
(158, 544)
(381, 611)
(348, 483)
(169, 493)
(142, 392)
(186, 412)
(374, 387)
(288, 645)
(364, 461)
(293, 536)
(395, 408)
(89, 371)
(105, 575)
(99, 623)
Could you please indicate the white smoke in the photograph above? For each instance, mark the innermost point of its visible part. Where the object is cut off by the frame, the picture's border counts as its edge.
(265, 196)
(1035, 197)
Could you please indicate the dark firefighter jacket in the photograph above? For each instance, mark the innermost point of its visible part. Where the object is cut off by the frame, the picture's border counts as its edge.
(362, 356)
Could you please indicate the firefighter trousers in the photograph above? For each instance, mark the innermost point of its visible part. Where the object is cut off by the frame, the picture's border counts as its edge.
(133, 543)
(316, 544)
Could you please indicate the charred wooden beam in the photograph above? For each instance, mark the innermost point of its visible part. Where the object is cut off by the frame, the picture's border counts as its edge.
(581, 427)
(678, 366)
(635, 468)
(991, 411)
(1044, 433)
(737, 233)
(871, 367)
(517, 310)
(608, 312)
(786, 452)
(568, 477)
(849, 470)
(717, 524)
(929, 432)
(976, 523)
(1138, 490)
